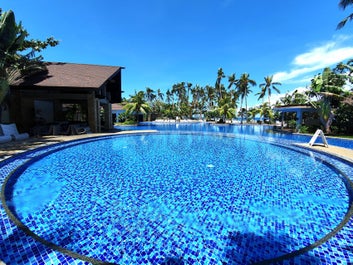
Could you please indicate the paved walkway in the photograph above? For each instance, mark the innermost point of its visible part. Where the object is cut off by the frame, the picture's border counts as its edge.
(11, 148)
(344, 153)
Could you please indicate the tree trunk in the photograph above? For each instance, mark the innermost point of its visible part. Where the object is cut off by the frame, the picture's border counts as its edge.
(329, 122)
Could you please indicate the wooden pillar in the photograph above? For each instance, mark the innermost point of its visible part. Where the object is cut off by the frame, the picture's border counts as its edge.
(98, 116)
(92, 113)
(108, 116)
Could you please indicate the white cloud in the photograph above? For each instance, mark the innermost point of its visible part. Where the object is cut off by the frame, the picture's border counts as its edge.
(326, 55)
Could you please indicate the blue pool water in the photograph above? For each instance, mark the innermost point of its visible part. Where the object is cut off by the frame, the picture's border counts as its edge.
(204, 199)
(244, 130)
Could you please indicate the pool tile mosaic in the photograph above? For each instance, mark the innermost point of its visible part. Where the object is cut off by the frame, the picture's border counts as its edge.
(173, 232)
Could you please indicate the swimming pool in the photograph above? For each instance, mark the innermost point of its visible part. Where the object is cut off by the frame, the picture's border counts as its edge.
(195, 198)
(244, 130)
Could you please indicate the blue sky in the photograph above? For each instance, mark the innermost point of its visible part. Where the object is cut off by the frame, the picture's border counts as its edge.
(163, 42)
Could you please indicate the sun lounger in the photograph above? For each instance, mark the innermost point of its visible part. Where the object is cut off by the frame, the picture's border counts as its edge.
(10, 130)
(5, 138)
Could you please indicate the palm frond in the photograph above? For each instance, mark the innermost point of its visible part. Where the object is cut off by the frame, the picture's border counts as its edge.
(344, 3)
(344, 21)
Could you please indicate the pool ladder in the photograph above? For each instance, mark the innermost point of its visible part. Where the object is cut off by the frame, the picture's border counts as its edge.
(317, 134)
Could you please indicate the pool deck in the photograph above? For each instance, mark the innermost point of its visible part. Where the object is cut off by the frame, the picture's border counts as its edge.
(16, 147)
(341, 152)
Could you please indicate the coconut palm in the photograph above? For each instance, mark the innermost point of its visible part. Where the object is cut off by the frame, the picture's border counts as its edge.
(137, 104)
(346, 70)
(169, 97)
(198, 99)
(150, 96)
(267, 86)
(243, 85)
(218, 86)
(252, 112)
(261, 94)
(265, 111)
(15, 60)
(225, 108)
(180, 91)
(210, 94)
(344, 4)
(160, 95)
(327, 90)
(10, 41)
(231, 80)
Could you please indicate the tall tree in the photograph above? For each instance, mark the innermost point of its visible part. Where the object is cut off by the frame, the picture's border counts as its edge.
(180, 91)
(326, 89)
(218, 85)
(225, 108)
(267, 88)
(344, 4)
(243, 85)
(150, 96)
(346, 70)
(198, 100)
(210, 93)
(231, 81)
(160, 94)
(137, 105)
(17, 53)
(265, 111)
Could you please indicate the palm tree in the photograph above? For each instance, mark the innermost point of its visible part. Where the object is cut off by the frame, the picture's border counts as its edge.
(296, 98)
(15, 61)
(346, 70)
(232, 81)
(180, 91)
(137, 105)
(267, 86)
(150, 96)
(261, 94)
(210, 93)
(234, 97)
(11, 39)
(198, 99)
(252, 112)
(344, 4)
(243, 84)
(327, 90)
(265, 111)
(160, 95)
(225, 108)
(218, 86)
(169, 96)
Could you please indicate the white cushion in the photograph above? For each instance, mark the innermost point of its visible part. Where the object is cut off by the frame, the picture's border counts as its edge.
(9, 129)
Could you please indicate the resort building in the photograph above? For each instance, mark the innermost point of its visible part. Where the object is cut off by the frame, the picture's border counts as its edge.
(65, 93)
(303, 114)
